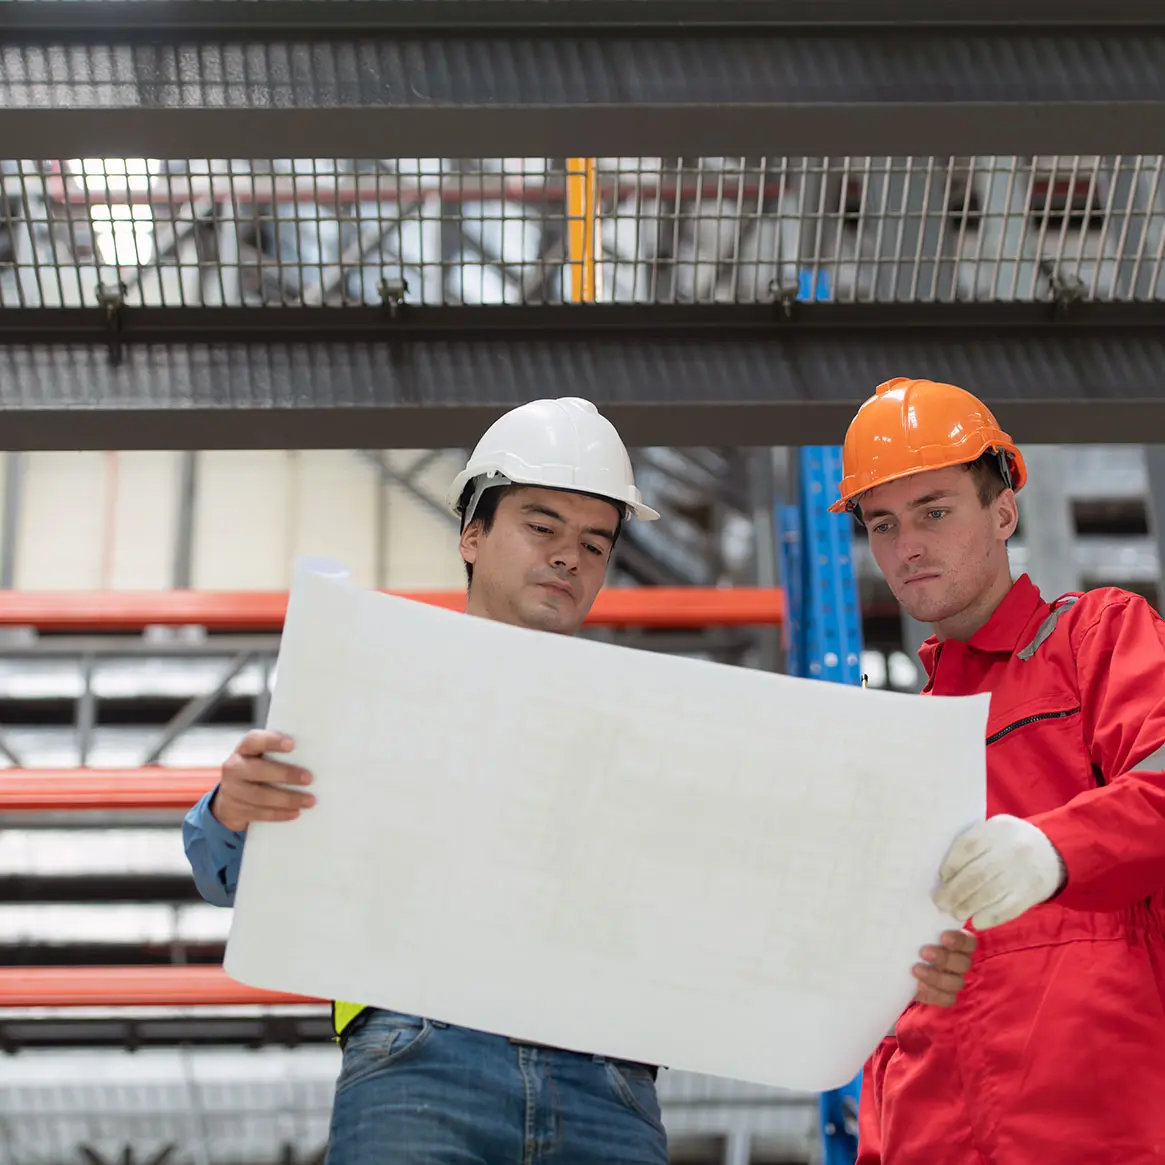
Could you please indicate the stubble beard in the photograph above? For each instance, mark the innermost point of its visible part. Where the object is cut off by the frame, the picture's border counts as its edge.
(929, 608)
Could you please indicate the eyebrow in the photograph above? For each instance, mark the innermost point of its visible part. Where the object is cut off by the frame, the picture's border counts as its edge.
(916, 504)
(547, 512)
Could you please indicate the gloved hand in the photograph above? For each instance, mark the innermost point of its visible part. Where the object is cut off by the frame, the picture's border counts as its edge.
(996, 870)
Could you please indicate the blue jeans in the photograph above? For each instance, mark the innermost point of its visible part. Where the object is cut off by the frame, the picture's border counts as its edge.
(415, 1092)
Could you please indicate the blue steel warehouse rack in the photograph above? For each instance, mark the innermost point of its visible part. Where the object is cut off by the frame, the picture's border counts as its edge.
(824, 642)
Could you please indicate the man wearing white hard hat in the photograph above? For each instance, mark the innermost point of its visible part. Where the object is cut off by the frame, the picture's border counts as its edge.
(542, 502)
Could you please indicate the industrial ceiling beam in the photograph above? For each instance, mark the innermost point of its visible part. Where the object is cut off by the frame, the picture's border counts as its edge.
(473, 16)
(470, 78)
(119, 1029)
(435, 377)
(98, 887)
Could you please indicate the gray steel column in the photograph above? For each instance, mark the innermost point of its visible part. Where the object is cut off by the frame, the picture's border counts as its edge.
(10, 520)
(738, 1147)
(1049, 531)
(914, 634)
(762, 481)
(1155, 505)
(184, 526)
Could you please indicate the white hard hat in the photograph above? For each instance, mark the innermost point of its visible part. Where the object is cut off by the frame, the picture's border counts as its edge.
(559, 444)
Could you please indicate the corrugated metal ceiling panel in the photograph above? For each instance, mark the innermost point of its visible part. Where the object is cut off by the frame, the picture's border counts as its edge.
(788, 385)
(694, 86)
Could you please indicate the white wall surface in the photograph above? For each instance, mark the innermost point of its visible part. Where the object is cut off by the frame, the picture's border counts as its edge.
(93, 521)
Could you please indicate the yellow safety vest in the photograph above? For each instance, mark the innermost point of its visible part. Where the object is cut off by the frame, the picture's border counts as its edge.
(343, 1014)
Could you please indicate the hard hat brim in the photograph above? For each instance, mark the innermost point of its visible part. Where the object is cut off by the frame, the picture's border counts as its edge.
(851, 498)
(630, 507)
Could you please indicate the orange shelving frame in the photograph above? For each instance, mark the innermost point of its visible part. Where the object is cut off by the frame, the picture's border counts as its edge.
(257, 611)
(164, 986)
(69, 790)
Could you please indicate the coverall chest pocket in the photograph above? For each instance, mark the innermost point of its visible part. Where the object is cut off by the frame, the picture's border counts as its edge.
(1036, 758)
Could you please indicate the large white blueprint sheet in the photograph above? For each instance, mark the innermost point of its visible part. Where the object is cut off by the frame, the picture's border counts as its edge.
(597, 848)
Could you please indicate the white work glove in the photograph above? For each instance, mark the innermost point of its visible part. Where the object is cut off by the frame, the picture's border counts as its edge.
(998, 869)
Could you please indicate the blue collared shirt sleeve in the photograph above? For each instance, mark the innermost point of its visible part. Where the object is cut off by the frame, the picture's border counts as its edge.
(213, 851)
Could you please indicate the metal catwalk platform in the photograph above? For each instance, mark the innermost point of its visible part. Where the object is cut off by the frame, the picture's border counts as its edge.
(403, 302)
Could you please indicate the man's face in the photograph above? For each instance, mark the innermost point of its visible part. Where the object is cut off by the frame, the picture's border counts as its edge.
(940, 549)
(543, 560)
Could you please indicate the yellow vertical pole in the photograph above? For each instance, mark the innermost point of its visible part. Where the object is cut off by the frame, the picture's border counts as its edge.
(582, 209)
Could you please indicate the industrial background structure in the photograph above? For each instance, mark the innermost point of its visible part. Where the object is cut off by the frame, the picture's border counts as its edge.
(267, 267)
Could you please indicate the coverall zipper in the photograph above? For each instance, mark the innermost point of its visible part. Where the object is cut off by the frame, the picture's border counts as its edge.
(1031, 720)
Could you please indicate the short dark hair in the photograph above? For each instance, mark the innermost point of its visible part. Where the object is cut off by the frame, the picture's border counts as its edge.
(487, 511)
(988, 474)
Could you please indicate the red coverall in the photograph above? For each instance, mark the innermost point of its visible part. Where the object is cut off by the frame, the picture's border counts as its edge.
(1055, 1050)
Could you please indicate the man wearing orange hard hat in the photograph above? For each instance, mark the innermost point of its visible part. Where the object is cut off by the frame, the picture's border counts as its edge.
(1055, 1050)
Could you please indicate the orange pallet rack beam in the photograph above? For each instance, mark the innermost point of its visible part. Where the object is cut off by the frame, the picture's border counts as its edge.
(255, 611)
(162, 986)
(49, 790)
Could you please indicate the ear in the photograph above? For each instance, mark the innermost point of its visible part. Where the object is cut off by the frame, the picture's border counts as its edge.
(470, 542)
(1006, 514)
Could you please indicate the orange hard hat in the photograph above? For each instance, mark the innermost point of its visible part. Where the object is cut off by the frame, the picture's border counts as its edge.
(909, 426)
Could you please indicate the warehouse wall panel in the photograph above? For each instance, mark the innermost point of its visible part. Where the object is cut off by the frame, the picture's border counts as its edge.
(144, 518)
(59, 543)
(242, 521)
(256, 512)
(90, 520)
(332, 511)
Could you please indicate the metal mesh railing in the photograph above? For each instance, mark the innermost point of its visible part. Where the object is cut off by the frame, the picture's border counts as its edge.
(273, 1108)
(244, 1118)
(333, 232)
